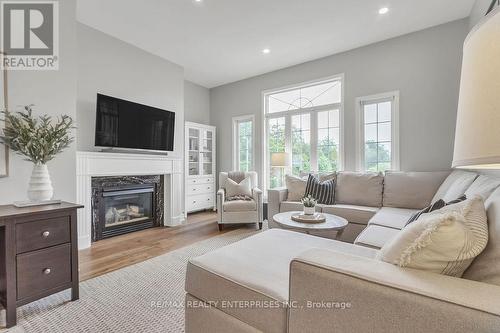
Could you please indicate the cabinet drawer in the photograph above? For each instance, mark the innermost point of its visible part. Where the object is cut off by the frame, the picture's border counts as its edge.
(200, 180)
(42, 233)
(43, 270)
(201, 188)
(202, 201)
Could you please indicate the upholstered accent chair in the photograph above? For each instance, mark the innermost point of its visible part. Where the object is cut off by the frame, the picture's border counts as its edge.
(239, 211)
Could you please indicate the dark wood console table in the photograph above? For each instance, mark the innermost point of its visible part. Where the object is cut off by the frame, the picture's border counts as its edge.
(38, 254)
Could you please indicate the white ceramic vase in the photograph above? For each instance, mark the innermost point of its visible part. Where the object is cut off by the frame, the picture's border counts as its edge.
(40, 186)
(309, 210)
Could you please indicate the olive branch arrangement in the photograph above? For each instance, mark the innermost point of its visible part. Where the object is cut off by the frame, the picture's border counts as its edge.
(39, 139)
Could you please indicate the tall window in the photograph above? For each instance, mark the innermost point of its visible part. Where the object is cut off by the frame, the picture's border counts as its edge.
(378, 132)
(304, 122)
(243, 134)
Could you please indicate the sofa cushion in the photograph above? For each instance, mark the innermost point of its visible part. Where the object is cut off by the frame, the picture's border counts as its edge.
(413, 190)
(363, 189)
(455, 185)
(486, 267)
(443, 242)
(296, 187)
(376, 236)
(323, 176)
(240, 206)
(395, 218)
(352, 213)
(245, 271)
(483, 186)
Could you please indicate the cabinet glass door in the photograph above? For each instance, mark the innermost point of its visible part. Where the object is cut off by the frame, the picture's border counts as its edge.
(194, 151)
(207, 152)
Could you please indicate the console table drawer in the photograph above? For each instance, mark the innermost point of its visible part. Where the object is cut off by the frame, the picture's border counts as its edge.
(43, 270)
(42, 233)
(200, 180)
(200, 201)
(203, 188)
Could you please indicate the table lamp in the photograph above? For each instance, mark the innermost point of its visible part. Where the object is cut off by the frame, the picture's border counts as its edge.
(477, 135)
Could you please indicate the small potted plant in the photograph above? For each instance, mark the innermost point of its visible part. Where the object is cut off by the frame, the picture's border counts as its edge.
(39, 140)
(309, 205)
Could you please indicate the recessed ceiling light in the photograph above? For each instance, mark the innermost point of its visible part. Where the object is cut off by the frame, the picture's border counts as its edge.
(266, 51)
(383, 10)
(198, 0)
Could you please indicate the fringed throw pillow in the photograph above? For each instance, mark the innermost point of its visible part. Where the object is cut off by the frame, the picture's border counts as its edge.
(444, 242)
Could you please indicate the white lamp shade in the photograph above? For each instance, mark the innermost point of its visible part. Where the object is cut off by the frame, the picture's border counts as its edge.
(279, 159)
(477, 136)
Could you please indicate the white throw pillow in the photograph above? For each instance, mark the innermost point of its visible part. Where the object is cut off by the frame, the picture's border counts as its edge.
(296, 187)
(233, 189)
(444, 242)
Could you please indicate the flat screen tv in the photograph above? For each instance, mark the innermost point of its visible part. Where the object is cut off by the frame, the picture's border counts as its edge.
(129, 125)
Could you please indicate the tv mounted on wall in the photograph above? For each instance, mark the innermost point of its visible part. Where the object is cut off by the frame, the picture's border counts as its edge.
(129, 125)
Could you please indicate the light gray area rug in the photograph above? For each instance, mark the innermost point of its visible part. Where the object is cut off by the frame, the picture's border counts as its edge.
(146, 297)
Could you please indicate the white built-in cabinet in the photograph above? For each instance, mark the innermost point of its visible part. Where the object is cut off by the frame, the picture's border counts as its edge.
(200, 167)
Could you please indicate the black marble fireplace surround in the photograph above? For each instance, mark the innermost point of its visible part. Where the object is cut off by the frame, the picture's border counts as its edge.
(126, 204)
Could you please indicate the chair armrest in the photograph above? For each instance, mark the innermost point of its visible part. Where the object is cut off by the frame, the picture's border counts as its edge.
(257, 195)
(381, 294)
(274, 199)
(221, 196)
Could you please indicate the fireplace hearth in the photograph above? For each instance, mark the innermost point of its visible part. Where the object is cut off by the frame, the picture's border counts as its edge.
(125, 204)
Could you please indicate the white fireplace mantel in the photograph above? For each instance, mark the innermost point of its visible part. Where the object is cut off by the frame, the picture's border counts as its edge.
(100, 164)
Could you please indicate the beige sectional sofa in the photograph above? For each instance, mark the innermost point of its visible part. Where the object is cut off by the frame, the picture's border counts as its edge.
(285, 281)
(373, 199)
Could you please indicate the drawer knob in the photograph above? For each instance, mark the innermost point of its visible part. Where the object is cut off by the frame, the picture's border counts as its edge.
(194, 189)
(194, 201)
(46, 234)
(46, 271)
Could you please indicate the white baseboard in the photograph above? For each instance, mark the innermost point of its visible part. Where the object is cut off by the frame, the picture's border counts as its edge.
(175, 221)
(84, 242)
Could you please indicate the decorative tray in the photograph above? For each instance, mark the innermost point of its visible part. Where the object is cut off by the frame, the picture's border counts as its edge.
(303, 218)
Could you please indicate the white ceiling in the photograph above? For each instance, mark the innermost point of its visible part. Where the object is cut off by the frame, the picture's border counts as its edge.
(221, 41)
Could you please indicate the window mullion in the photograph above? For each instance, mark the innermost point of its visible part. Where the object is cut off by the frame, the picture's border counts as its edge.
(288, 142)
(363, 139)
(313, 139)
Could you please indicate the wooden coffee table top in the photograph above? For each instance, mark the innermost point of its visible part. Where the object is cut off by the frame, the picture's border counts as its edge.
(333, 222)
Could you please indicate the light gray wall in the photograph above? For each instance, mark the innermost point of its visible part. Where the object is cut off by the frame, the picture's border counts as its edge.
(112, 67)
(53, 93)
(196, 103)
(478, 11)
(424, 66)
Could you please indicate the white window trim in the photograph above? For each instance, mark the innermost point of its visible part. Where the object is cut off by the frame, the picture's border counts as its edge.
(340, 106)
(236, 141)
(395, 156)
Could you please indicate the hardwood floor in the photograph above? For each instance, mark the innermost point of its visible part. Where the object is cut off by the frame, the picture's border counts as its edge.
(114, 253)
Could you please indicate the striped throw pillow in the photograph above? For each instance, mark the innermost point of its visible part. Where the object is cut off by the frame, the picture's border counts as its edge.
(434, 206)
(323, 192)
